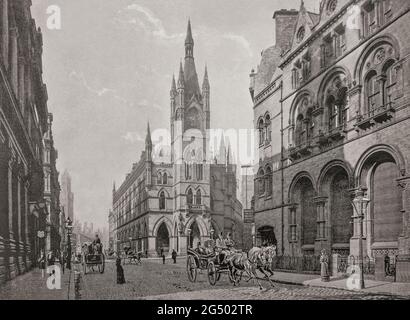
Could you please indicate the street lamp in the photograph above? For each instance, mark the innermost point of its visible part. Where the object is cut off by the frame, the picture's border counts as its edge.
(130, 238)
(360, 204)
(69, 228)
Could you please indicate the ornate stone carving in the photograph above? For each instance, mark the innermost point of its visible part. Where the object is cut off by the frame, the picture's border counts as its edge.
(379, 56)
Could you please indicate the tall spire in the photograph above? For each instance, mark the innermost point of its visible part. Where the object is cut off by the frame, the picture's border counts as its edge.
(189, 41)
(191, 77)
(148, 141)
(205, 83)
(173, 86)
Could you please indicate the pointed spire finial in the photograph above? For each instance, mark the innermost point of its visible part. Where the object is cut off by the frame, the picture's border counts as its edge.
(189, 39)
(173, 85)
(148, 140)
(205, 83)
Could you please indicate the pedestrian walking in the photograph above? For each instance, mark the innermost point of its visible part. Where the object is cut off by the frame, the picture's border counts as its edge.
(174, 256)
(42, 262)
(120, 272)
(163, 258)
(161, 252)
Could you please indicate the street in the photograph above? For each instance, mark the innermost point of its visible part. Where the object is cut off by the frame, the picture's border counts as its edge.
(153, 280)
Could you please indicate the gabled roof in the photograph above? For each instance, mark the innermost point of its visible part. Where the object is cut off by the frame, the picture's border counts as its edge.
(305, 26)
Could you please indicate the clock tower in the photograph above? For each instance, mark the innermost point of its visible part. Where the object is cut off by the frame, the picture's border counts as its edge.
(190, 123)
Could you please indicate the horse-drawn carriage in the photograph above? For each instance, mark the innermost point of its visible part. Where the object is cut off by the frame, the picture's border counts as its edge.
(131, 257)
(211, 263)
(92, 256)
(232, 262)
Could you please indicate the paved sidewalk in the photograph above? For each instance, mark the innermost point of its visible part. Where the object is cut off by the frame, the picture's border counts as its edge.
(32, 286)
(372, 287)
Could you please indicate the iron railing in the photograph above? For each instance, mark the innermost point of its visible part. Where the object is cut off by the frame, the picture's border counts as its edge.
(300, 264)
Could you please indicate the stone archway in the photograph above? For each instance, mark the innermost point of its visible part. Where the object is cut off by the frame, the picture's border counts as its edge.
(194, 236)
(266, 236)
(162, 238)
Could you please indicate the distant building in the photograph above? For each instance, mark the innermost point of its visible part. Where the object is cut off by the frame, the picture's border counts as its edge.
(67, 196)
(174, 198)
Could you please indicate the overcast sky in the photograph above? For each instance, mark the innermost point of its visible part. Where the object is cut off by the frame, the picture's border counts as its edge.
(108, 71)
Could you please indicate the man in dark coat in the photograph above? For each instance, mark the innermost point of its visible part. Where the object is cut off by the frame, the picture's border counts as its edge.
(120, 272)
(174, 256)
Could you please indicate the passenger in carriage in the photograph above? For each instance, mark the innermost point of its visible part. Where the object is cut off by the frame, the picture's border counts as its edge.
(221, 249)
(199, 249)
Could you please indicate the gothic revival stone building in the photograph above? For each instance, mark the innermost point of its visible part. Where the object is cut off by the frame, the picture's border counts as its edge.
(55, 220)
(331, 103)
(174, 196)
(23, 122)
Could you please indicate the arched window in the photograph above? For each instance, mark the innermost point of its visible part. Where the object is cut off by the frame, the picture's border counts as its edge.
(162, 201)
(187, 171)
(199, 171)
(372, 91)
(190, 197)
(165, 178)
(198, 197)
(261, 182)
(299, 131)
(159, 178)
(268, 181)
(390, 75)
(261, 128)
(268, 126)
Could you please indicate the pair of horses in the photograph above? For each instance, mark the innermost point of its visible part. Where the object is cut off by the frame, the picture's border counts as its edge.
(257, 259)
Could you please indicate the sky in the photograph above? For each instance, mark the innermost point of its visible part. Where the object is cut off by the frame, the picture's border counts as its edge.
(108, 71)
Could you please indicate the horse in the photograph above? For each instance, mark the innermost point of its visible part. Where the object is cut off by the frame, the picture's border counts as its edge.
(257, 259)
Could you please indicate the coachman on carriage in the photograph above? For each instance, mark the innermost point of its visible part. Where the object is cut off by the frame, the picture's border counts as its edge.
(221, 257)
(92, 256)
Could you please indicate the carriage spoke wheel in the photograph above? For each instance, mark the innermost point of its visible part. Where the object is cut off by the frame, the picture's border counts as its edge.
(212, 274)
(191, 268)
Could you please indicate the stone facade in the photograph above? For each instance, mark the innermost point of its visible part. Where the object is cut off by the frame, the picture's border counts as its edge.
(176, 195)
(332, 110)
(52, 190)
(23, 122)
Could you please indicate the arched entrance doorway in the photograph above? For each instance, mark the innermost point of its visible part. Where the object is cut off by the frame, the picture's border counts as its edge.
(194, 235)
(162, 239)
(302, 195)
(379, 173)
(266, 236)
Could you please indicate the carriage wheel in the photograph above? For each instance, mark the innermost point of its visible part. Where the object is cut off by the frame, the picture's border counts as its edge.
(212, 274)
(191, 269)
(101, 266)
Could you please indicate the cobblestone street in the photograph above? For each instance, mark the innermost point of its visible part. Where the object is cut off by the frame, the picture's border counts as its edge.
(153, 280)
